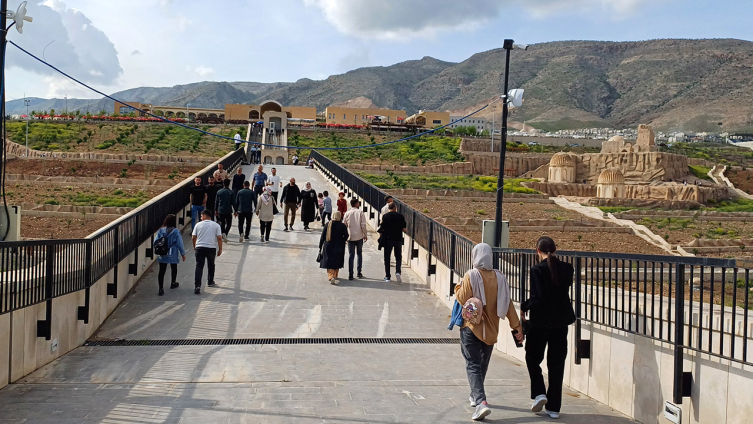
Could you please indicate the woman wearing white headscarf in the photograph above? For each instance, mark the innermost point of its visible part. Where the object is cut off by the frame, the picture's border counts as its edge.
(265, 210)
(477, 341)
(332, 247)
(309, 204)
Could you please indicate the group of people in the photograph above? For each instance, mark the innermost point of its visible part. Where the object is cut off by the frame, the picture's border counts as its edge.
(545, 315)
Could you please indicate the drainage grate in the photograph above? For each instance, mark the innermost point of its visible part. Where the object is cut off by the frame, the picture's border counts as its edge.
(273, 341)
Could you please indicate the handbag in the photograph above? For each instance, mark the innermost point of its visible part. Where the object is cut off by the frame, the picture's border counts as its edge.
(275, 211)
(319, 256)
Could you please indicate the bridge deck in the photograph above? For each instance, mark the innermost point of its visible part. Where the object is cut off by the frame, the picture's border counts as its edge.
(276, 290)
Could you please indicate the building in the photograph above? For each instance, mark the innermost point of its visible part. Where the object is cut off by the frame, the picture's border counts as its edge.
(168, 111)
(361, 116)
(472, 121)
(429, 119)
(235, 112)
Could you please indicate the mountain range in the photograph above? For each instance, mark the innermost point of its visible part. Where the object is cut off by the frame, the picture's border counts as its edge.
(690, 85)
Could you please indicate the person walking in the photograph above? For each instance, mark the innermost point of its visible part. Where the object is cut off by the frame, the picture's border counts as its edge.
(295, 159)
(309, 204)
(207, 243)
(355, 220)
(259, 181)
(327, 207)
(342, 204)
(387, 202)
(220, 174)
(212, 190)
(551, 312)
(291, 198)
(238, 179)
(258, 153)
(175, 249)
(489, 286)
(238, 140)
(252, 154)
(275, 183)
(198, 199)
(332, 247)
(265, 210)
(391, 238)
(245, 205)
(223, 207)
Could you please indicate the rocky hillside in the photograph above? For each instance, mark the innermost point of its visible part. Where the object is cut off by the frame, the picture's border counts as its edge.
(671, 84)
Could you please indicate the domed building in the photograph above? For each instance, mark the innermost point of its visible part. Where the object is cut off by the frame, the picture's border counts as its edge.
(562, 168)
(611, 184)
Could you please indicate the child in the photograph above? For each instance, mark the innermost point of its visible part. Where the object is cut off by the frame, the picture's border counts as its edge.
(342, 205)
(320, 208)
(327, 208)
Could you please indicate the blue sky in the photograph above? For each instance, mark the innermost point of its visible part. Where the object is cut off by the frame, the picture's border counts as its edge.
(116, 45)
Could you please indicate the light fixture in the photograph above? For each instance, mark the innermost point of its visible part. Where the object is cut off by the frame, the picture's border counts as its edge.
(515, 97)
(19, 16)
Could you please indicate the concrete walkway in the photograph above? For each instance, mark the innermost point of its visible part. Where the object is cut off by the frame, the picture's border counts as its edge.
(277, 290)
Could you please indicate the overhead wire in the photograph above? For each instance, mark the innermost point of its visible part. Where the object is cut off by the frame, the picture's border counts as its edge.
(229, 138)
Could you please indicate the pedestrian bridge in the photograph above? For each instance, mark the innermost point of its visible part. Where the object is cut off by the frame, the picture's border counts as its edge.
(273, 341)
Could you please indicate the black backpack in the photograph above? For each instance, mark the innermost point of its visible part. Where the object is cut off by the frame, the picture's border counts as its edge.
(161, 246)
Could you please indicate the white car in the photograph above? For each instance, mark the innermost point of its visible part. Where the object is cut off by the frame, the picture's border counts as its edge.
(533, 143)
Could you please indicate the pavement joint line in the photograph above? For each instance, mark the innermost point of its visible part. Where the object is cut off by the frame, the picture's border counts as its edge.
(270, 341)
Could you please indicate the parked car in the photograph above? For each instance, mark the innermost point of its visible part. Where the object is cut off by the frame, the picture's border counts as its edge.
(533, 143)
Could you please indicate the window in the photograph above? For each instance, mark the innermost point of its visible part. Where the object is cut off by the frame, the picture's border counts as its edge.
(437, 121)
(343, 116)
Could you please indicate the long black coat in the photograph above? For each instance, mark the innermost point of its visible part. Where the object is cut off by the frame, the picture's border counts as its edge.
(309, 203)
(333, 254)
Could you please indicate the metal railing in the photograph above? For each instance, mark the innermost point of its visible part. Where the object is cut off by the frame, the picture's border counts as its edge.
(33, 272)
(699, 304)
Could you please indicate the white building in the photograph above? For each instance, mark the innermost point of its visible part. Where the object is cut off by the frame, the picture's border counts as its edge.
(479, 123)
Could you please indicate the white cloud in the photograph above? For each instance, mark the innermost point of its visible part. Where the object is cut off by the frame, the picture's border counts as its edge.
(182, 23)
(405, 19)
(204, 71)
(78, 46)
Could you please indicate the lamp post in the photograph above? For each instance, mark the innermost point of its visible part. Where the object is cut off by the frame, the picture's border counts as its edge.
(508, 45)
(27, 102)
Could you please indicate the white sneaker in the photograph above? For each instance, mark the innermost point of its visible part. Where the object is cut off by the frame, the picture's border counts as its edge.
(538, 403)
(552, 414)
(482, 411)
(224, 238)
(334, 282)
(386, 280)
(472, 401)
(240, 240)
(399, 277)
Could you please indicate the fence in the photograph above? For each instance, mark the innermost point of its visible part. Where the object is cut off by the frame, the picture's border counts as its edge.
(699, 304)
(34, 272)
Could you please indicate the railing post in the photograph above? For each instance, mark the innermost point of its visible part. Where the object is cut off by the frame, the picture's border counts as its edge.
(582, 347)
(522, 276)
(133, 268)
(83, 311)
(413, 250)
(682, 380)
(431, 269)
(452, 264)
(44, 327)
(112, 288)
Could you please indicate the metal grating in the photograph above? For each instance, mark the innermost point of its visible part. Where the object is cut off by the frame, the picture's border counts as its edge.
(272, 341)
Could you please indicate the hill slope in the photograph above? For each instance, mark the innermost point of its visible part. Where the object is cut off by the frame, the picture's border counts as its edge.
(671, 84)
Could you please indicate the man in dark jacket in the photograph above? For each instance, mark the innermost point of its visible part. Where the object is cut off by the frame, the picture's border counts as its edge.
(291, 198)
(223, 208)
(212, 189)
(245, 205)
(238, 179)
(391, 238)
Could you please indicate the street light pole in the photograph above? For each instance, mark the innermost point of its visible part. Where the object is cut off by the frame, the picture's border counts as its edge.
(27, 102)
(508, 46)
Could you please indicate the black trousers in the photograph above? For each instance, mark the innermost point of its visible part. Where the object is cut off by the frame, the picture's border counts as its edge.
(326, 215)
(244, 218)
(163, 271)
(389, 247)
(259, 190)
(226, 222)
(265, 227)
(274, 195)
(208, 255)
(554, 340)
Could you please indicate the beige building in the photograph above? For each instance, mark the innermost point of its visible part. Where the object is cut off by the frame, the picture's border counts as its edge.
(168, 111)
(235, 112)
(429, 119)
(361, 116)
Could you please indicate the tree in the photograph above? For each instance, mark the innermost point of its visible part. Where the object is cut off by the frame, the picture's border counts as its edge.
(52, 112)
(159, 112)
(102, 112)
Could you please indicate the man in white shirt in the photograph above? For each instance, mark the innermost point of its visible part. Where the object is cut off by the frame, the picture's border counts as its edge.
(238, 140)
(388, 201)
(275, 183)
(355, 220)
(207, 244)
(220, 174)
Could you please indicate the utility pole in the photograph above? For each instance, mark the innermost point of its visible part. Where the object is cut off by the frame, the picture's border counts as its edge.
(508, 46)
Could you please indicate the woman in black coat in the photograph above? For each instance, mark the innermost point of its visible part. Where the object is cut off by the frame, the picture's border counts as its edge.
(334, 238)
(309, 203)
(551, 312)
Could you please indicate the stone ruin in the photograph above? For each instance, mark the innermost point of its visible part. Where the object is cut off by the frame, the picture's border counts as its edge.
(625, 171)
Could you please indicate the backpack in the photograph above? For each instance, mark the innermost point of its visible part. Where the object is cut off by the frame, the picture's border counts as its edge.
(161, 246)
(473, 311)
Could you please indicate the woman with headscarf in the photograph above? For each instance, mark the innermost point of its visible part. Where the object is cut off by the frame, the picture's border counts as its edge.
(551, 313)
(489, 286)
(332, 247)
(309, 204)
(265, 210)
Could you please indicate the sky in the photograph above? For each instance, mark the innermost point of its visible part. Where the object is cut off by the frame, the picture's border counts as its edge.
(115, 45)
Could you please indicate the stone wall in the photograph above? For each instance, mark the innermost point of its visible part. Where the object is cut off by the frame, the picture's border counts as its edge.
(18, 150)
(636, 167)
(563, 189)
(488, 163)
(457, 168)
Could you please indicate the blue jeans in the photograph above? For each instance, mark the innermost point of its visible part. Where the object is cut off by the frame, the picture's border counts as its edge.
(196, 214)
(477, 355)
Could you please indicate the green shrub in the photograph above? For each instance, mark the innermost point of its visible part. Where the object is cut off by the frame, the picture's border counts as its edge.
(700, 172)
